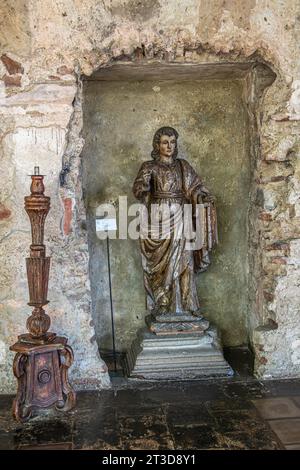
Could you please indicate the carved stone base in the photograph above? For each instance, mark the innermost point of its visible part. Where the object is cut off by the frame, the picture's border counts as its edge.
(42, 374)
(175, 324)
(177, 357)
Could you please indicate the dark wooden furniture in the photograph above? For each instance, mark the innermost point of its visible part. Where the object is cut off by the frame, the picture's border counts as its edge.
(42, 360)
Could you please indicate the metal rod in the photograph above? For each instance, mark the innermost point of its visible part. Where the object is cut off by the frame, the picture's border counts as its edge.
(111, 306)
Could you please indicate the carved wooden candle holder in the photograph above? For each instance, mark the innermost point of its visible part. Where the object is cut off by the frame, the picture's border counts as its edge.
(42, 360)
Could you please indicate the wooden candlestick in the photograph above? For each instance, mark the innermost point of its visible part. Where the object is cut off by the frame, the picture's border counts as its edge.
(42, 360)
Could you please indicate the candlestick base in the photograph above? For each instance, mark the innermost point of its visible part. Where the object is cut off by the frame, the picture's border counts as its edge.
(42, 374)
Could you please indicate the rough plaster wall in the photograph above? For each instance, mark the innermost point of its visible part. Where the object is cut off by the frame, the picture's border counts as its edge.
(44, 143)
(50, 41)
(15, 33)
(120, 119)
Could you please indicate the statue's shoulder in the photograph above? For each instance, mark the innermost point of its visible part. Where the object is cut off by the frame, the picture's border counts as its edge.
(187, 167)
(148, 165)
(184, 162)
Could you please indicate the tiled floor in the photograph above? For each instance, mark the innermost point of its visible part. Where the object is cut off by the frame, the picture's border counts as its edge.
(238, 413)
(224, 414)
(283, 416)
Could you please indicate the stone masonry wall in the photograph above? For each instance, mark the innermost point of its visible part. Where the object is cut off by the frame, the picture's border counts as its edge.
(45, 47)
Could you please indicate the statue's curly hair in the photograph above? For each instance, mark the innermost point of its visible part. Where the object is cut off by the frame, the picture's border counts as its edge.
(156, 140)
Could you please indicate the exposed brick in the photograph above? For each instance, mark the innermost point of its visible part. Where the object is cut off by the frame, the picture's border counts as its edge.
(4, 212)
(67, 215)
(276, 158)
(138, 53)
(12, 80)
(292, 211)
(272, 179)
(64, 70)
(280, 117)
(265, 216)
(278, 260)
(263, 360)
(282, 246)
(268, 326)
(268, 296)
(123, 57)
(275, 179)
(274, 269)
(12, 66)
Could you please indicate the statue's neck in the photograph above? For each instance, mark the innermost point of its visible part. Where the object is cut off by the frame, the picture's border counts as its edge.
(167, 160)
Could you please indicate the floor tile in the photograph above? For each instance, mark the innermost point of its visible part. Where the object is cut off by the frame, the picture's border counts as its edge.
(188, 413)
(288, 430)
(43, 431)
(96, 425)
(229, 405)
(6, 441)
(238, 421)
(132, 410)
(293, 446)
(274, 408)
(282, 388)
(257, 439)
(92, 399)
(296, 400)
(109, 441)
(244, 390)
(194, 437)
(58, 446)
(161, 442)
(142, 427)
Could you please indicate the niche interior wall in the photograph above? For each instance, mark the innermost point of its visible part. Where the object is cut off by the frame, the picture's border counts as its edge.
(122, 108)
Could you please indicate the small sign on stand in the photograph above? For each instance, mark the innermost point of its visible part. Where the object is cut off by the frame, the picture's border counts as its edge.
(105, 226)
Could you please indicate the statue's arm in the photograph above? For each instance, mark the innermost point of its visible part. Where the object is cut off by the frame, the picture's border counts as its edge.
(196, 190)
(205, 195)
(141, 185)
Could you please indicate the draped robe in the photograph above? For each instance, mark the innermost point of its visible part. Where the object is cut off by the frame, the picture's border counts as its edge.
(167, 263)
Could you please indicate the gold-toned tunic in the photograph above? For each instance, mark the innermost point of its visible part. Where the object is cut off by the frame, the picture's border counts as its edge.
(167, 263)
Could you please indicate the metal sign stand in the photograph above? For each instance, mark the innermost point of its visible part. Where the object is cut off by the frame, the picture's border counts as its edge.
(111, 307)
(105, 225)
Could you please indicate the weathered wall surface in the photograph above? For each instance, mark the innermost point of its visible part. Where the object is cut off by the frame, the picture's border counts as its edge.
(120, 119)
(44, 47)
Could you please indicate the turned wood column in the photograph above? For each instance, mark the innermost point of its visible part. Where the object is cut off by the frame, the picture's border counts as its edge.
(43, 358)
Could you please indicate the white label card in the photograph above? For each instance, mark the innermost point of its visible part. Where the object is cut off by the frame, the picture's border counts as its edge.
(103, 225)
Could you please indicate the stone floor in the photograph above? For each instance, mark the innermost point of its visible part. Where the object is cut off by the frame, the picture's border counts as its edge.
(235, 413)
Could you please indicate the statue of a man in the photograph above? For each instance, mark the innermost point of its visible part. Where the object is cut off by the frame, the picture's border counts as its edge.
(168, 263)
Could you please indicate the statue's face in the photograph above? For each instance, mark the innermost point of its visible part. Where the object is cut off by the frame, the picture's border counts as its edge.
(167, 146)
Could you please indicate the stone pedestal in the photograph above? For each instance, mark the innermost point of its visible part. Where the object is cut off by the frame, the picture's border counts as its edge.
(180, 355)
(176, 324)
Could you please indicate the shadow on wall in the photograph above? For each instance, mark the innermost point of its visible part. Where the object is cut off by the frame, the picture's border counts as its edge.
(120, 118)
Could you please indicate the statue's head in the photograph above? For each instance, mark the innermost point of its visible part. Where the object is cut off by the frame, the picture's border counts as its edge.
(159, 137)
